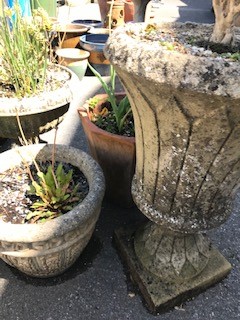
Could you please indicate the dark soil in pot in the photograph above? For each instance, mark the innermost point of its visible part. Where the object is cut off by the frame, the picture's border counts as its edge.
(107, 121)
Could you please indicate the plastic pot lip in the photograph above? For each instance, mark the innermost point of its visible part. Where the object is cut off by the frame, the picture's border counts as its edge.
(90, 206)
(94, 38)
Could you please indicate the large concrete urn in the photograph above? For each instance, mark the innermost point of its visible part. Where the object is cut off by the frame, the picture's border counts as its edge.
(185, 101)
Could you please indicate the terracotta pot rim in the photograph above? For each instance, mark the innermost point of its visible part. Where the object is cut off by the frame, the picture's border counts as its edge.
(71, 27)
(84, 114)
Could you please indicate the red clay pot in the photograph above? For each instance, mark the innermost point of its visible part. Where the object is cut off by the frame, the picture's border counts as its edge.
(116, 156)
(128, 11)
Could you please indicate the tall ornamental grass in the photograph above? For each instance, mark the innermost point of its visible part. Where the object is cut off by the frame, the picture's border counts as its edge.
(24, 50)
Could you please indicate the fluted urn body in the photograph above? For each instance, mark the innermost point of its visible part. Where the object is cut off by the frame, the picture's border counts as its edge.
(185, 101)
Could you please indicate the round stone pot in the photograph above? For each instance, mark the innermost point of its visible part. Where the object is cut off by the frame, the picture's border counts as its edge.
(39, 113)
(187, 122)
(48, 249)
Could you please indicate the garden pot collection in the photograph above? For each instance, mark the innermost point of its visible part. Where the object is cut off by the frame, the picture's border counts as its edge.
(187, 123)
(116, 156)
(49, 248)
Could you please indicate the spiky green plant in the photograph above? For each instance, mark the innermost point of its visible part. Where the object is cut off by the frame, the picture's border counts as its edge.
(57, 194)
(121, 110)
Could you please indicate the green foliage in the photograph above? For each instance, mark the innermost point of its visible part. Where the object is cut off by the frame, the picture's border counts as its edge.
(24, 49)
(56, 192)
(168, 45)
(232, 56)
(150, 28)
(120, 110)
(92, 102)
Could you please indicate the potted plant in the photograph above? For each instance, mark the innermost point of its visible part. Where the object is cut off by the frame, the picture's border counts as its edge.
(50, 201)
(185, 97)
(31, 84)
(107, 123)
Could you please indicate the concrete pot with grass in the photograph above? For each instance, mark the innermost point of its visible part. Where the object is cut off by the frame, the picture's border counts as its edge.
(39, 113)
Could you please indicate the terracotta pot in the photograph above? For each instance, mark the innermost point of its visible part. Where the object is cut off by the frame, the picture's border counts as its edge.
(116, 16)
(116, 156)
(48, 249)
(39, 113)
(128, 11)
(69, 34)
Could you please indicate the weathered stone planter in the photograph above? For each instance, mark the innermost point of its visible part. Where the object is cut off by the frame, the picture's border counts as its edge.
(48, 249)
(187, 122)
(39, 113)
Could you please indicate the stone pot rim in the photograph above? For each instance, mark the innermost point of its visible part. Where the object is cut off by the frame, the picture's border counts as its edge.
(68, 221)
(42, 101)
(179, 70)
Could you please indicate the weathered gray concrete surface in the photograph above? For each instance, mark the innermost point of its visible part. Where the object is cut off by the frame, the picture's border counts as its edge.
(97, 286)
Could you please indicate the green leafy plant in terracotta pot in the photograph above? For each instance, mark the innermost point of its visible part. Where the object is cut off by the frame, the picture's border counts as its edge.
(108, 124)
(32, 86)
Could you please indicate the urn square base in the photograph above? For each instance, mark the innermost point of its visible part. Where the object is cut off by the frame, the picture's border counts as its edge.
(161, 296)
